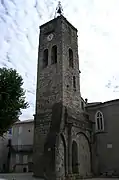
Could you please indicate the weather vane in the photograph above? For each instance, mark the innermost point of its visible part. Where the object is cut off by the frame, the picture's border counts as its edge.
(59, 10)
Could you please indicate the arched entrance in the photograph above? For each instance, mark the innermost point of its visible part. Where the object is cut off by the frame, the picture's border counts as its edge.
(74, 158)
(84, 155)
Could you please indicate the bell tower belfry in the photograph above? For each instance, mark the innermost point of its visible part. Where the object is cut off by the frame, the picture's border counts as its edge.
(58, 86)
(58, 64)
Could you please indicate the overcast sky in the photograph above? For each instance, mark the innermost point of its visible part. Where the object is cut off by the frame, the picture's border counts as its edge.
(98, 29)
(97, 22)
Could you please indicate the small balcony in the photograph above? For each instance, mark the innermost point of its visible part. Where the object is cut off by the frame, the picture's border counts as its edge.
(22, 148)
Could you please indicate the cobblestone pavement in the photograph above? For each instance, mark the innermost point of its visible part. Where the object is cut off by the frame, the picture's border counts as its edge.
(28, 176)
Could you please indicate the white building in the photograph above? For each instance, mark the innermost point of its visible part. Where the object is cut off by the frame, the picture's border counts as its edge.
(19, 152)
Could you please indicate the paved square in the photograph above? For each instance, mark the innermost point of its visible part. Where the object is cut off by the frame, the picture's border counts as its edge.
(28, 176)
(18, 176)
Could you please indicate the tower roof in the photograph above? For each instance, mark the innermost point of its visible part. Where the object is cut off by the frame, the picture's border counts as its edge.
(56, 19)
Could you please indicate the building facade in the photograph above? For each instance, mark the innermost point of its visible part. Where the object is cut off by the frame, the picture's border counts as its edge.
(22, 146)
(72, 138)
(105, 118)
(17, 148)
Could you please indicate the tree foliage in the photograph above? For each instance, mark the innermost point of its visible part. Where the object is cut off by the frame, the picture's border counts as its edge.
(12, 98)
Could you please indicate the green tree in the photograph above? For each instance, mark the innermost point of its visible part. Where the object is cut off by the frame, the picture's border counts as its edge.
(12, 98)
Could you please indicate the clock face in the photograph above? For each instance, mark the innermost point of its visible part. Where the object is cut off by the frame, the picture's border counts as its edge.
(49, 37)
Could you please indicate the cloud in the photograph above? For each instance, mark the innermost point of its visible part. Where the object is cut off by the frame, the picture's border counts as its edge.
(98, 39)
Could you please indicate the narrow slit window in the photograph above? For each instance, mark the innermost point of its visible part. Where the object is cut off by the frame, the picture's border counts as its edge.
(45, 58)
(54, 55)
(74, 83)
(71, 58)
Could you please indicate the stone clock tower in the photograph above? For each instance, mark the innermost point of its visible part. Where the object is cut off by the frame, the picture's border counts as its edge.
(58, 94)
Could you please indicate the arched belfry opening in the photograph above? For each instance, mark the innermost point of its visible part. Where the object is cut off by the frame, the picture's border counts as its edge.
(74, 158)
(45, 58)
(54, 55)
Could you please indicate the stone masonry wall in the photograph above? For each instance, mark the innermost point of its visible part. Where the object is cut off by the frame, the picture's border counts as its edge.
(49, 88)
(54, 92)
(82, 138)
(71, 97)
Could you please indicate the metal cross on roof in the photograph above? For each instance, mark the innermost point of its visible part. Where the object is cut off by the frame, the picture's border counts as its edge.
(59, 9)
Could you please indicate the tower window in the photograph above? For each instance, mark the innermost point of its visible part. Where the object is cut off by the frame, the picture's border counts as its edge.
(99, 121)
(74, 83)
(54, 55)
(71, 58)
(45, 58)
